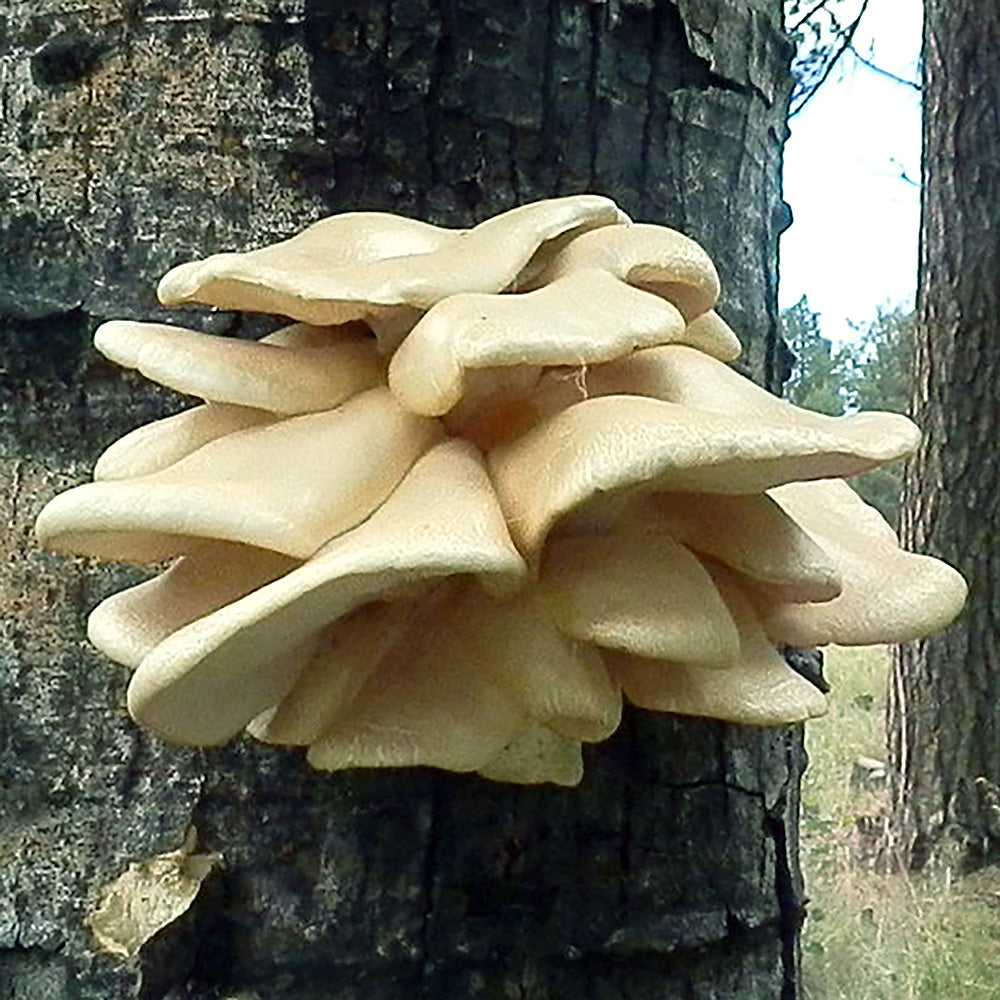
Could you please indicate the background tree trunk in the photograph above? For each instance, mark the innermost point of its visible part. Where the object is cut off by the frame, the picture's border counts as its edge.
(139, 134)
(944, 728)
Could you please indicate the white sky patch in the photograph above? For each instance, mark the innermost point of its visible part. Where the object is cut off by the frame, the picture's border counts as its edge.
(853, 244)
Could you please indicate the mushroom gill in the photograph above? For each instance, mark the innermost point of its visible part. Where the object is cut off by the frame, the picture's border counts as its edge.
(489, 482)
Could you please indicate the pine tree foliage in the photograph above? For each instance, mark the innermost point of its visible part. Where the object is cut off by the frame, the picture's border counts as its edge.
(883, 365)
(822, 374)
(874, 372)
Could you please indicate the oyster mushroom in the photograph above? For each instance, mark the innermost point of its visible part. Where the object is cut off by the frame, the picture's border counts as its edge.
(653, 258)
(460, 542)
(288, 486)
(265, 376)
(380, 268)
(206, 681)
(583, 318)
(622, 442)
(759, 690)
(645, 594)
(155, 446)
(889, 595)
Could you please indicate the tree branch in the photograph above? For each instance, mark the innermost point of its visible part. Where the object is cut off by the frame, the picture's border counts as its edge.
(883, 72)
(805, 17)
(847, 38)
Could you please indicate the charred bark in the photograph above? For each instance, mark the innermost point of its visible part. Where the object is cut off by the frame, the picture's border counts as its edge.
(137, 135)
(943, 725)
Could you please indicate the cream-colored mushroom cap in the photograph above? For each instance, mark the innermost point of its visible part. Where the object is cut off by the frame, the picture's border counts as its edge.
(583, 318)
(619, 442)
(349, 652)
(752, 535)
(889, 595)
(287, 486)
(559, 682)
(206, 681)
(712, 335)
(760, 689)
(535, 756)
(306, 277)
(341, 241)
(677, 373)
(430, 703)
(154, 446)
(131, 623)
(642, 593)
(511, 644)
(163, 442)
(461, 685)
(286, 380)
(654, 258)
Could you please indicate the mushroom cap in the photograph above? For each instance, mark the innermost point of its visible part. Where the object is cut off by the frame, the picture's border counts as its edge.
(265, 376)
(677, 373)
(585, 317)
(619, 442)
(535, 756)
(645, 594)
(713, 336)
(760, 689)
(163, 442)
(430, 703)
(653, 258)
(752, 535)
(378, 267)
(889, 595)
(199, 686)
(559, 683)
(340, 242)
(155, 446)
(508, 646)
(129, 624)
(288, 486)
(348, 653)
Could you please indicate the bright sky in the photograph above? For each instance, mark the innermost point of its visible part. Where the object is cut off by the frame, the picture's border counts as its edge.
(853, 244)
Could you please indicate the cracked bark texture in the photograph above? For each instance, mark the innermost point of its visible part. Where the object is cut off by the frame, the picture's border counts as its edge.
(139, 134)
(944, 729)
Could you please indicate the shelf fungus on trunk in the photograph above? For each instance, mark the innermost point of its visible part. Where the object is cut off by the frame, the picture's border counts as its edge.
(487, 483)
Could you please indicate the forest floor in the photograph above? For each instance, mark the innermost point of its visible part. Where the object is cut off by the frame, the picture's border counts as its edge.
(873, 936)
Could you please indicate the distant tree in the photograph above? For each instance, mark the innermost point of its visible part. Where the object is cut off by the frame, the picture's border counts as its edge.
(883, 361)
(822, 372)
(882, 379)
(873, 372)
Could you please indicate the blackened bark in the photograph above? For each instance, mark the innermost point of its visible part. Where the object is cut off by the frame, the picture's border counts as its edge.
(943, 721)
(137, 135)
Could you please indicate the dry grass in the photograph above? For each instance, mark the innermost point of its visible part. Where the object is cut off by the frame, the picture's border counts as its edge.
(871, 936)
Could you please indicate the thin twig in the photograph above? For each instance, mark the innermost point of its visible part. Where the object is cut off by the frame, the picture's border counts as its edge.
(883, 72)
(848, 38)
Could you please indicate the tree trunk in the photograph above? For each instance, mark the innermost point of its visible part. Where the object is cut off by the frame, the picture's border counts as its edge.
(943, 723)
(137, 135)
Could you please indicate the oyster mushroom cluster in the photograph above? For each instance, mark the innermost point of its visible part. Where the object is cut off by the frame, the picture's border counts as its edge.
(487, 484)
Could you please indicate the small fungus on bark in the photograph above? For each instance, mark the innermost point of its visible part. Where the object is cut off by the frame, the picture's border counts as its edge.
(489, 482)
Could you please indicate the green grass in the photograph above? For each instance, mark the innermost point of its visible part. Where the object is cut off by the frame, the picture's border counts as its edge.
(873, 936)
